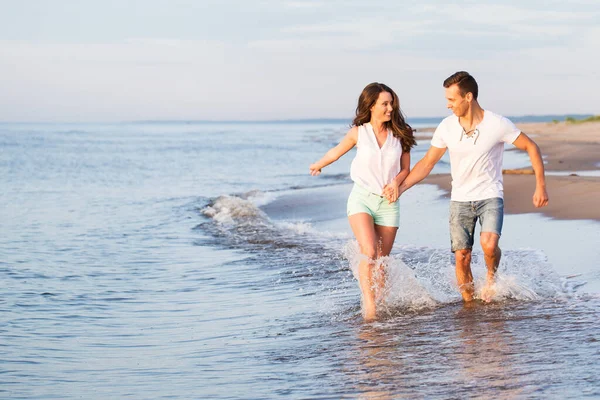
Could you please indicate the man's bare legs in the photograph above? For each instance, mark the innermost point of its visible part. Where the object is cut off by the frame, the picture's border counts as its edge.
(492, 255)
(464, 277)
(370, 237)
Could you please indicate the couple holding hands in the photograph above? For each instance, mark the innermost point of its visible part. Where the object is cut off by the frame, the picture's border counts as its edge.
(381, 172)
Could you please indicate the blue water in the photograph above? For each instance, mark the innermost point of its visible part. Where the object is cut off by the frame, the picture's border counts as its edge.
(200, 260)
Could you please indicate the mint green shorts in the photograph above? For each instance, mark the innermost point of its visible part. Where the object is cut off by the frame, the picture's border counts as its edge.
(363, 201)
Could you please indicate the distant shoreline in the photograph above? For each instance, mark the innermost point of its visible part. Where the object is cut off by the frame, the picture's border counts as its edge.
(415, 120)
(427, 121)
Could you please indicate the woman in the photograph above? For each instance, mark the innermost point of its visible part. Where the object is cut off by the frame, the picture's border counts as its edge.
(383, 141)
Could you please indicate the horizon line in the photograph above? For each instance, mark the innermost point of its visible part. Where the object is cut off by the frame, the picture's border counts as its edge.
(290, 120)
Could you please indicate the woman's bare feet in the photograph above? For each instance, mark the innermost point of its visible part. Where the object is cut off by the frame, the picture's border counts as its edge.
(369, 314)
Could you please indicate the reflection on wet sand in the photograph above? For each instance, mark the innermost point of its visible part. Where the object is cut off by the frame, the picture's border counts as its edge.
(486, 350)
(508, 349)
(379, 364)
(413, 353)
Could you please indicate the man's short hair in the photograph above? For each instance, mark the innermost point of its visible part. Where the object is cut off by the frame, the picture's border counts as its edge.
(466, 83)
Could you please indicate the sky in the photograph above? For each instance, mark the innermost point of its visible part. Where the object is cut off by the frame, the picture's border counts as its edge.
(115, 60)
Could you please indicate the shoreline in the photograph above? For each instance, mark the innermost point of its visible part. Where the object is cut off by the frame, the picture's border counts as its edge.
(566, 148)
(570, 197)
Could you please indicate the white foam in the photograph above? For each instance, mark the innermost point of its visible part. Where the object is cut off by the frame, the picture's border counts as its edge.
(242, 218)
(424, 277)
(228, 210)
(260, 199)
(402, 289)
(522, 275)
(411, 283)
(299, 227)
(307, 228)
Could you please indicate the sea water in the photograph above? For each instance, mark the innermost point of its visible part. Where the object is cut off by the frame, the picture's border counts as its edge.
(200, 260)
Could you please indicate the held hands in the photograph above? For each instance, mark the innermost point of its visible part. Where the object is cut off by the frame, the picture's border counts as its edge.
(540, 197)
(391, 192)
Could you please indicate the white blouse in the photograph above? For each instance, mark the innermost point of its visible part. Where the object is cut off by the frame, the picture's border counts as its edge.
(374, 167)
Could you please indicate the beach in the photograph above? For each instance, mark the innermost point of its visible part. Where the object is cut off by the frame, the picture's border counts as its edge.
(201, 260)
(572, 161)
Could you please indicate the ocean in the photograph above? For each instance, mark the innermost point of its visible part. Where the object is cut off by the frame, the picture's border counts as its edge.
(179, 260)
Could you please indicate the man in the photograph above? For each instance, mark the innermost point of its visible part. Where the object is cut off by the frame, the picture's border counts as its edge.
(475, 138)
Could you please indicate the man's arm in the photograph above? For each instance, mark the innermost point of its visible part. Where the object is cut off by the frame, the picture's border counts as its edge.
(523, 142)
(422, 168)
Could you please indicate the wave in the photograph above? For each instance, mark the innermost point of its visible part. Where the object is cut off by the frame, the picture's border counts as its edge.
(417, 277)
(241, 215)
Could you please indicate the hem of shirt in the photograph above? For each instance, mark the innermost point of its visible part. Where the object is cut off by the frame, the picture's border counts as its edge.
(367, 188)
(501, 196)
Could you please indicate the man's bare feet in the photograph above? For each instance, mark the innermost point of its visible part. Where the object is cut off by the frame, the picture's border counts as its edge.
(489, 290)
(466, 290)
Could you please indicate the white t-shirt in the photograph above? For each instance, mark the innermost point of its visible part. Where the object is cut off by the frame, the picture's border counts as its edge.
(476, 161)
(374, 167)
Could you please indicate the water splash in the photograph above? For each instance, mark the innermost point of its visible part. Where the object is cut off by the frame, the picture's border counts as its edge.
(420, 277)
(401, 288)
(415, 277)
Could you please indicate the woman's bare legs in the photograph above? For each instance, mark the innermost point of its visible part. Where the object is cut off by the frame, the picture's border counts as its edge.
(364, 231)
(385, 241)
(370, 237)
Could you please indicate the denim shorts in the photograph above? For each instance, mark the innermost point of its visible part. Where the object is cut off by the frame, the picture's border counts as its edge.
(464, 215)
(362, 200)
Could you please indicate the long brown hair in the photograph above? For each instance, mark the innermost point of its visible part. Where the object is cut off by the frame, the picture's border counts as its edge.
(400, 129)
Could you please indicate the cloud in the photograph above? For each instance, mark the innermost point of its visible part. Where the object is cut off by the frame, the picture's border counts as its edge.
(304, 4)
(484, 28)
(299, 59)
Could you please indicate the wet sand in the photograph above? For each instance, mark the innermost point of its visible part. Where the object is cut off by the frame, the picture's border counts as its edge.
(567, 148)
